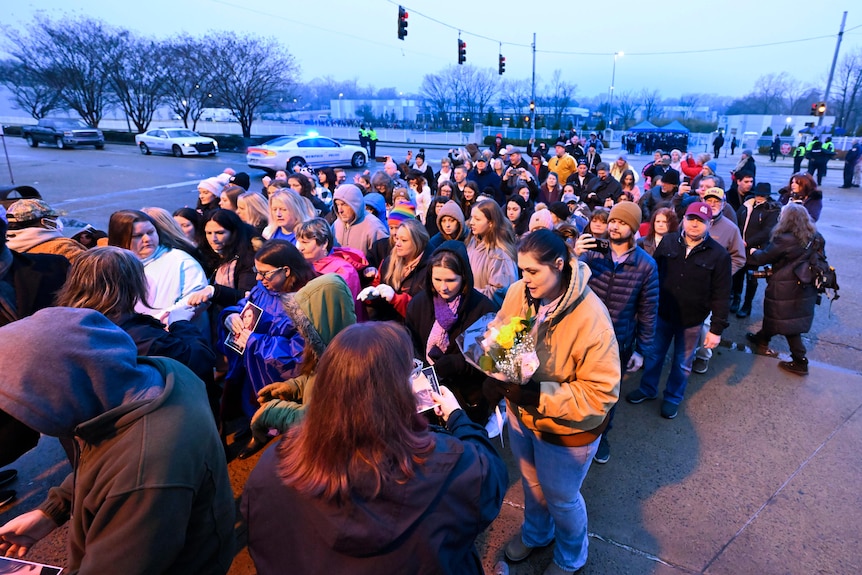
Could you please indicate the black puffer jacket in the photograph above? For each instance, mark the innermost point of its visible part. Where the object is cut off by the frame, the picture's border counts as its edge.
(788, 306)
(453, 371)
(630, 292)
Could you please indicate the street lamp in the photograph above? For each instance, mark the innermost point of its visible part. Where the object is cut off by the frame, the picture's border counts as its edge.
(611, 90)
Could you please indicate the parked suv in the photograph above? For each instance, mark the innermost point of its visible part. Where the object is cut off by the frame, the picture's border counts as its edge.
(64, 133)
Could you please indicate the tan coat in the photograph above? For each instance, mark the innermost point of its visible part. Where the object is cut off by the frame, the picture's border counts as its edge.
(579, 363)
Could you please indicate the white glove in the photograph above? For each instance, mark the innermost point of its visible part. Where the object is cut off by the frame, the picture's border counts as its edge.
(386, 292)
(368, 292)
(636, 361)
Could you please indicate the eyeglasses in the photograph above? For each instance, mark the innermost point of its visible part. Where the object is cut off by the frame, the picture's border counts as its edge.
(267, 275)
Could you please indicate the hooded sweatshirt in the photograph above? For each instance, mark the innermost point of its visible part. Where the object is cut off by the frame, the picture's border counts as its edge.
(363, 231)
(38, 240)
(453, 210)
(149, 492)
(425, 525)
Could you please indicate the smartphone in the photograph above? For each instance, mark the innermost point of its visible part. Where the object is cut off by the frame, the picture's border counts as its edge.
(602, 246)
(686, 179)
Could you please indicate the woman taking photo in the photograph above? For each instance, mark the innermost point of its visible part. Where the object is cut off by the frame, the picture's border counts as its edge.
(379, 465)
(556, 419)
(788, 306)
(663, 222)
(491, 250)
(439, 314)
(401, 276)
(172, 273)
(273, 350)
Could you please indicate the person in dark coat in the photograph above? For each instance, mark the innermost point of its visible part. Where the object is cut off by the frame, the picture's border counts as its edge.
(368, 486)
(850, 160)
(788, 308)
(485, 177)
(580, 180)
(604, 191)
(439, 314)
(803, 190)
(757, 216)
(661, 195)
(717, 143)
(775, 149)
(818, 159)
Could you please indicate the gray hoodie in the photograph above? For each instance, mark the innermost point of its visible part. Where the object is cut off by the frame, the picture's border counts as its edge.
(362, 232)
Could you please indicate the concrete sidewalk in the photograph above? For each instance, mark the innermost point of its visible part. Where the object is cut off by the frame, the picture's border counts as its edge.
(759, 473)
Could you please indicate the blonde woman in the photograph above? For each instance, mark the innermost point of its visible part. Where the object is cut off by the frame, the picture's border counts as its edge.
(286, 209)
(252, 208)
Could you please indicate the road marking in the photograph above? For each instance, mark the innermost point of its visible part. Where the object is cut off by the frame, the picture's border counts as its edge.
(136, 191)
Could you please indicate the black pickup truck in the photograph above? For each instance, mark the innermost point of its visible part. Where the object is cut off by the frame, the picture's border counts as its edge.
(64, 133)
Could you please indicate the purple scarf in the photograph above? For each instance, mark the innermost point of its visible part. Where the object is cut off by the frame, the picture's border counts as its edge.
(445, 314)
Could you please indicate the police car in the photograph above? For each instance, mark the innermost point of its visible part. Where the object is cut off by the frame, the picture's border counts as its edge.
(312, 150)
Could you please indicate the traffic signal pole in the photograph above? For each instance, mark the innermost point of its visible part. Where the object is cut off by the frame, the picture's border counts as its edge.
(533, 93)
(834, 61)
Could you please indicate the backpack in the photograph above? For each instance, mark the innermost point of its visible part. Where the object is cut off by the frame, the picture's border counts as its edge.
(823, 276)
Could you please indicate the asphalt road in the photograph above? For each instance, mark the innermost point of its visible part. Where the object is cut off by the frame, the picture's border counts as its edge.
(673, 491)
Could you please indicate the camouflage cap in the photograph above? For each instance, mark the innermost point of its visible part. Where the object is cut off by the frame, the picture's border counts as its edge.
(28, 210)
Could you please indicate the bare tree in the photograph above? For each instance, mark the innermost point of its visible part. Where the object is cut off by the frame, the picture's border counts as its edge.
(248, 72)
(770, 90)
(71, 57)
(649, 100)
(28, 92)
(187, 82)
(477, 86)
(515, 96)
(689, 101)
(559, 95)
(848, 93)
(437, 92)
(139, 79)
(626, 105)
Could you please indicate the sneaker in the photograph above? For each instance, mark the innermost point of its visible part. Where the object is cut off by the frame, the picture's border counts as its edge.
(797, 366)
(603, 453)
(7, 476)
(700, 365)
(516, 550)
(6, 496)
(637, 396)
(668, 409)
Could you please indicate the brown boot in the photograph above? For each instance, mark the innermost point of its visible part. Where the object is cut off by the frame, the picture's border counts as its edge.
(799, 366)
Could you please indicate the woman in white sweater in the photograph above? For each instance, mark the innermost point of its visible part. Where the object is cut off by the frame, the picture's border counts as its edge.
(491, 250)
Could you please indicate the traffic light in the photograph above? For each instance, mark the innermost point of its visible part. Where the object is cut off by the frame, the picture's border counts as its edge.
(821, 109)
(402, 22)
(532, 106)
(462, 51)
(501, 66)
(814, 109)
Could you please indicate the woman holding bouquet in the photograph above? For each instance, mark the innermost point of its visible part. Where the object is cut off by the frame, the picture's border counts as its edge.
(557, 417)
(439, 314)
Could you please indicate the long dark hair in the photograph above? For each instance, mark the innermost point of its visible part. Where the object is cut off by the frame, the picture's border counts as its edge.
(120, 232)
(546, 247)
(281, 253)
(522, 225)
(239, 243)
(363, 384)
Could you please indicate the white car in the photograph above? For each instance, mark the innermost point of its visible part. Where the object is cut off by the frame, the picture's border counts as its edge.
(287, 152)
(177, 141)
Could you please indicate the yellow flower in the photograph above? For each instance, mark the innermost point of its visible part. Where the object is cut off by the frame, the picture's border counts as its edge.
(506, 338)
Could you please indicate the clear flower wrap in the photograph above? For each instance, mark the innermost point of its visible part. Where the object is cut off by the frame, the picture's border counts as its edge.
(506, 352)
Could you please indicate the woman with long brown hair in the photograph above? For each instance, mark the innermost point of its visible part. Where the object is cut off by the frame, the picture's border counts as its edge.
(491, 249)
(369, 485)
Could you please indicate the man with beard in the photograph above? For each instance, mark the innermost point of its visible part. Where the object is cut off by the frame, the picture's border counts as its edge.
(694, 281)
(626, 280)
(603, 191)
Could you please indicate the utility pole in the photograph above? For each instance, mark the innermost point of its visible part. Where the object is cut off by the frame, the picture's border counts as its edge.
(533, 94)
(832, 69)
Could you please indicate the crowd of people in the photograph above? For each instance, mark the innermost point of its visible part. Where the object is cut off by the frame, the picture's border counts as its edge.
(304, 306)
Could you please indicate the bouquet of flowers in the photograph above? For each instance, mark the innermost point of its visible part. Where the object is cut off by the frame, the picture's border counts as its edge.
(507, 352)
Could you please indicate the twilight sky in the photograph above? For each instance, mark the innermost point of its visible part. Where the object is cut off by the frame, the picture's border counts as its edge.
(349, 39)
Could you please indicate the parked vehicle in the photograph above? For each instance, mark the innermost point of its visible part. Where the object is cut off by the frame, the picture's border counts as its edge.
(64, 133)
(287, 152)
(177, 141)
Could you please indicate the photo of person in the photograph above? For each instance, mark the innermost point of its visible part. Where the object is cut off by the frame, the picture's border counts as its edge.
(249, 315)
(424, 382)
(18, 567)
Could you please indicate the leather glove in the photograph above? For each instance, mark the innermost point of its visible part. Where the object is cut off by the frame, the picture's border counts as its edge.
(524, 395)
(369, 292)
(491, 390)
(386, 292)
(636, 361)
(435, 353)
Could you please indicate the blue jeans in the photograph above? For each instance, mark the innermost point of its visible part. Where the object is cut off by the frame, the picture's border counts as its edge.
(553, 505)
(684, 345)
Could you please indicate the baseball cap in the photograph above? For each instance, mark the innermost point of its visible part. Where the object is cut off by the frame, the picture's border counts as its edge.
(715, 193)
(28, 210)
(699, 210)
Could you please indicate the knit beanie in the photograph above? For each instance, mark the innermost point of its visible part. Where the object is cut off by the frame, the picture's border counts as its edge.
(401, 212)
(628, 212)
(541, 219)
(213, 185)
(560, 209)
(242, 180)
